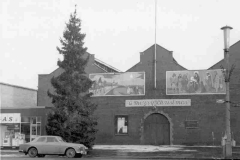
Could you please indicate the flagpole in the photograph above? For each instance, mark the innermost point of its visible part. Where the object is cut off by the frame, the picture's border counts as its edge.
(155, 54)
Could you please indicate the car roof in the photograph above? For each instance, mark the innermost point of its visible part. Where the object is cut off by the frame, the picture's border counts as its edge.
(48, 136)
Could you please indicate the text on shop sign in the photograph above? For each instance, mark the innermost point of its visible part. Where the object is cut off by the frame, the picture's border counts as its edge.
(158, 102)
(10, 118)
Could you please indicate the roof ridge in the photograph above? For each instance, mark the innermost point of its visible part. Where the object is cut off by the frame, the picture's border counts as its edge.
(113, 68)
(12, 85)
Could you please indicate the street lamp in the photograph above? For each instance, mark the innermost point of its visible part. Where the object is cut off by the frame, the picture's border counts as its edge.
(227, 148)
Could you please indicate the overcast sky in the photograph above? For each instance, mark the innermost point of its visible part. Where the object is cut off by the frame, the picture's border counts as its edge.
(116, 32)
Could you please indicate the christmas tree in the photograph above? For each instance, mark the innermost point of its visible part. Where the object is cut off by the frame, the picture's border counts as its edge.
(72, 116)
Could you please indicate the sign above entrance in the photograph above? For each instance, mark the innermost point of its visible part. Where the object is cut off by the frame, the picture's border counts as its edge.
(10, 118)
(157, 102)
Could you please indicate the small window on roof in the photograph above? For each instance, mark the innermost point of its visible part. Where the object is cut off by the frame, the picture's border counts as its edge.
(41, 139)
(51, 139)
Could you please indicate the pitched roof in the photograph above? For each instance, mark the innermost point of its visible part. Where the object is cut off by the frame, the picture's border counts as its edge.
(221, 61)
(16, 86)
(105, 66)
(98, 63)
(163, 48)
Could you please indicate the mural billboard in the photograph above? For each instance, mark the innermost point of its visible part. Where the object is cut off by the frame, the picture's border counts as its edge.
(118, 84)
(195, 82)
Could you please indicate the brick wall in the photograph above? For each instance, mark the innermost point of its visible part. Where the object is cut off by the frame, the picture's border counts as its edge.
(44, 82)
(234, 59)
(204, 109)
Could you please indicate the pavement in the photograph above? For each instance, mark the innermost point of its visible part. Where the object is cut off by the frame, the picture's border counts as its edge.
(148, 152)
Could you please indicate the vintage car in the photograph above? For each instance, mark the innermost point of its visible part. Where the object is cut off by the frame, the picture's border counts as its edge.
(52, 145)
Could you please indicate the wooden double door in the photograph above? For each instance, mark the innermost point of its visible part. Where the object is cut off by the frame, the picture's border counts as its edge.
(156, 130)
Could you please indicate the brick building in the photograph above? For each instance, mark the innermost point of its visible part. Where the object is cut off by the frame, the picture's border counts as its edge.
(202, 121)
(21, 119)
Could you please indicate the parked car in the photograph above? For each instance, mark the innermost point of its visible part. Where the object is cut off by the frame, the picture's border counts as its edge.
(52, 145)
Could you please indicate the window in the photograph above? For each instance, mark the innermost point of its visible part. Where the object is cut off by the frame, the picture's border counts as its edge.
(121, 124)
(41, 139)
(25, 131)
(38, 129)
(60, 139)
(39, 119)
(30, 127)
(33, 120)
(51, 139)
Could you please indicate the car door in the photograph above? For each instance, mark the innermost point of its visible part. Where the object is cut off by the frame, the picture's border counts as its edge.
(62, 145)
(52, 146)
(39, 143)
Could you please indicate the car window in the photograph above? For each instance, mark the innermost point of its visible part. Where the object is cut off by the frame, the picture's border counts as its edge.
(41, 139)
(51, 139)
(60, 139)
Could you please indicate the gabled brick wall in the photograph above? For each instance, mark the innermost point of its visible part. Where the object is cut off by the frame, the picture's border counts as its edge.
(44, 82)
(204, 109)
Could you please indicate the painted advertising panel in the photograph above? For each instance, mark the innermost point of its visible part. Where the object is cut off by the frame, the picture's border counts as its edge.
(118, 84)
(195, 82)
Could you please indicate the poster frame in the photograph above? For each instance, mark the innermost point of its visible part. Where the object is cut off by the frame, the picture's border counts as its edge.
(113, 73)
(194, 93)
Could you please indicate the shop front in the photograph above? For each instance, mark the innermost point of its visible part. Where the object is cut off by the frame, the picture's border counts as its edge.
(19, 128)
(10, 129)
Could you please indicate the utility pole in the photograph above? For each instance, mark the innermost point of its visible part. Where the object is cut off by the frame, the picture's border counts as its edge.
(227, 148)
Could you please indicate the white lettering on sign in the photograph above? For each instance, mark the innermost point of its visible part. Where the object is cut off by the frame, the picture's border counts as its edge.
(10, 118)
(158, 102)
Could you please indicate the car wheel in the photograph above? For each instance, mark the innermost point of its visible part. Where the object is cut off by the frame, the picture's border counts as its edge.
(32, 152)
(41, 155)
(70, 153)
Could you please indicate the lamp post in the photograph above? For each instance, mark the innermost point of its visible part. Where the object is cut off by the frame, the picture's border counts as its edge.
(227, 148)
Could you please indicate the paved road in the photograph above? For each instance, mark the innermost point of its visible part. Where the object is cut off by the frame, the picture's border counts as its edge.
(57, 158)
(139, 152)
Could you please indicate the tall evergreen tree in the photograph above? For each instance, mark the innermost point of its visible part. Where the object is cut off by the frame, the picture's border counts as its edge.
(72, 115)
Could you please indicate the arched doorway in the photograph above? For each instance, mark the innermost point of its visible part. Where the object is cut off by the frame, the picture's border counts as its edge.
(156, 130)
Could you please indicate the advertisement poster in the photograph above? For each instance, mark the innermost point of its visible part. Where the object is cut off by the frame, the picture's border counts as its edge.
(118, 84)
(195, 82)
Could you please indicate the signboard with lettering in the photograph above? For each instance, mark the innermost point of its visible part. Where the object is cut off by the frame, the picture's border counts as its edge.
(13, 127)
(157, 102)
(10, 118)
(118, 84)
(191, 82)
(191, 124)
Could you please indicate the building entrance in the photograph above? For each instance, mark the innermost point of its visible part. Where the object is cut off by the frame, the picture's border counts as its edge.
(156, 130)
(35, 127)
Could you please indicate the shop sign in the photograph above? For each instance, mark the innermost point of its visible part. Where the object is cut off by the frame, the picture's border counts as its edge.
(157, 102)
(13, 127)
(10, 118)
